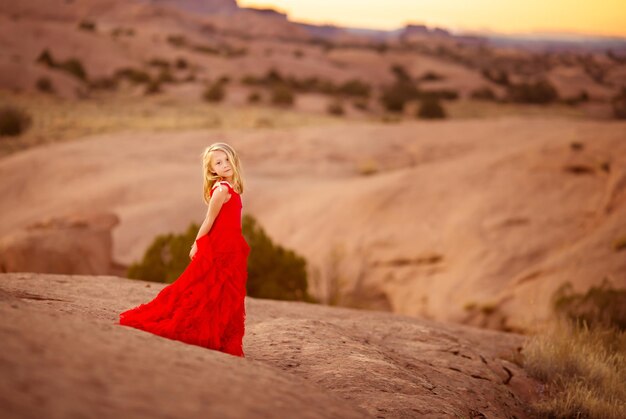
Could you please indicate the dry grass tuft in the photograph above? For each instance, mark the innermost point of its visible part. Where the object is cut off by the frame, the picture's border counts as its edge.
(584, 370)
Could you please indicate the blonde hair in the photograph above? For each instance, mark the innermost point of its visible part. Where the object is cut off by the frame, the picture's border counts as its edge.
(211, 178)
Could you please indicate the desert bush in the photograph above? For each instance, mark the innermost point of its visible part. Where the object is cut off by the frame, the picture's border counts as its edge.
(74, 67)
(273, 271)
(298, 53)
(430, 108)
(361, 104)
(600, 305)
(44, 84)
(71, 65)
(282, 95)
(500, 77)
(159, 63)
(582, 356)
(153, 87)
(206, 49)
(119, 31)
(103, 83)
(443, 94)
(619, 244)
(583, 368)
(254, 97)
(181, 63)
(214, 92)
(45, 58)
(431, 76)
(335, 107)
(178, 41)
(87, 25)
(165, 76)
(401, 74)
(133, 75)
(618, 103)
(394, 97)
(539, 92)
(483, 93)
(13, 121)
(354, 87)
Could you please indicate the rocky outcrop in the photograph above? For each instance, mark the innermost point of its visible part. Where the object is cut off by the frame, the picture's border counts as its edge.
(75, 244)
(302, 360)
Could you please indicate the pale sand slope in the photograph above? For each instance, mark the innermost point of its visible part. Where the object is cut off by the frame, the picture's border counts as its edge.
(476, 221)
(64, 356)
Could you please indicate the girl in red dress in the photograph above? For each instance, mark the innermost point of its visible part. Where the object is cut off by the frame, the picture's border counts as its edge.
(205, 306)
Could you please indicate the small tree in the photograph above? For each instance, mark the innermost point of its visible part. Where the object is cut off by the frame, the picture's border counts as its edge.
(282, 95)
(214, 92)
(335, 107)
(430, 108)
(13, 121)
(44, 84)
(619, 104)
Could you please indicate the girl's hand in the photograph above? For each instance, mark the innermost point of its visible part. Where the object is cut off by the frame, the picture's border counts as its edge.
(194, 249)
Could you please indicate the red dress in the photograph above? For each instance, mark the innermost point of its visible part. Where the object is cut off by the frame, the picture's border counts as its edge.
(205, 305)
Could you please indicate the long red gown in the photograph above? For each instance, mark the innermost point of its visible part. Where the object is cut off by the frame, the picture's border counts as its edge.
(205, 306)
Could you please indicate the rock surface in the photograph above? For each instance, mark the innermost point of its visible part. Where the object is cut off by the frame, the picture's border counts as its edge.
(73, 244)
(63, 355)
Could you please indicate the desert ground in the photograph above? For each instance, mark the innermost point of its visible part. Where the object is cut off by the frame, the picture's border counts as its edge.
(442, 240)
(302, 359)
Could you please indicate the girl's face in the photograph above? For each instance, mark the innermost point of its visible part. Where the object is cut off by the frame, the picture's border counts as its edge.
(221, 164)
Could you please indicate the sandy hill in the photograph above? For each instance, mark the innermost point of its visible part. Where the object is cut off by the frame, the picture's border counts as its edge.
(129, 34)
(477, 221)
(63, 355)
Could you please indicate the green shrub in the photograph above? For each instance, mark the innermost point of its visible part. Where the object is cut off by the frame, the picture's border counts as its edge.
(430, 108)
(87, 25)
(153, 87)
(206, 49)
(273, 271)
(181, 63)
(618, 103)
(214, 92)
(254, 97)
(13, 121)
(500, 77)
(165, 76)
(600, 305)
(103, 83)
(431, 76)
(335, 107)
(401, 74)
(282, 95)
(361, 104)
(483, 93)
(394, 97)
(539, 92)
(44, 84)
(71, 65)
(177, 40)
(45, 58)
(159, 62)
(354, 88)
(74, 67)
(133, 75)
(166, 258)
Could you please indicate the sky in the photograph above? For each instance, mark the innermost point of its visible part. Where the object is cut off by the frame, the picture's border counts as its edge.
(600, 17)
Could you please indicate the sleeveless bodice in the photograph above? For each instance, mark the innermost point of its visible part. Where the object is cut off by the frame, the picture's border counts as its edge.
(225, 234)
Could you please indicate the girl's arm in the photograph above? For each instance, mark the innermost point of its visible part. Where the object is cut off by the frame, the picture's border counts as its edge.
(215, 204)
